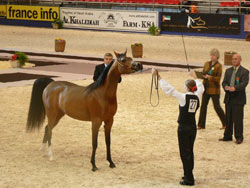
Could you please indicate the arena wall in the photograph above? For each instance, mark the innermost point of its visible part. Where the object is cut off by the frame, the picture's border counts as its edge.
(42, 16)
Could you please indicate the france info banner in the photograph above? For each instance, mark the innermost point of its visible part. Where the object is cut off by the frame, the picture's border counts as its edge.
(108, 19)
(37, 13)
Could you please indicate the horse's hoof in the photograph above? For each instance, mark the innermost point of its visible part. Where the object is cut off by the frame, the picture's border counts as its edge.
(94, 169)
(112, 165)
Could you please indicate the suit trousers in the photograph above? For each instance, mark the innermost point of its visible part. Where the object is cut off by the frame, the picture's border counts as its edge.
(235, 116)
(186, 138)
(217, 107)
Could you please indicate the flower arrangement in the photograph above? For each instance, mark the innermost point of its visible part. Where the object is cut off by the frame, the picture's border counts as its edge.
(21, 57)
(57, 23)
(237, 80)
(230, 52)
(248, 37)
(153, 30)
(59, 40)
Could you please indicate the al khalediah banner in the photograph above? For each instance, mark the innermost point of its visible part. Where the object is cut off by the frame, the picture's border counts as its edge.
(201, 23)
(101, 19)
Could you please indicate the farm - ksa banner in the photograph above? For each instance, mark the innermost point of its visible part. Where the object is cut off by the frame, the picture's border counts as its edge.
(108, 19)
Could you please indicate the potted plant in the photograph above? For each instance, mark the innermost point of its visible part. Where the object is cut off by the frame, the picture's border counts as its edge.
(19, 59)
(57, 23)
(60, 45)
(248, 37)
(137, 50)
(153, 30)
(228, 55)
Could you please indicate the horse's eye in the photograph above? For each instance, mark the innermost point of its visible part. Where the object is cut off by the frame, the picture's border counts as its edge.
(123, 59)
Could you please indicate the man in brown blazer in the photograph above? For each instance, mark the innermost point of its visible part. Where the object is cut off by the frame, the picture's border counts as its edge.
(235, 82)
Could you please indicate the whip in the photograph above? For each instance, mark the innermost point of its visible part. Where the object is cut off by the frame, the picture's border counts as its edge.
(185, 52)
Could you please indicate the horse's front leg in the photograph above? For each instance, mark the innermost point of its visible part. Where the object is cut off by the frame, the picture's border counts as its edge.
(107, 127)
(95, 129)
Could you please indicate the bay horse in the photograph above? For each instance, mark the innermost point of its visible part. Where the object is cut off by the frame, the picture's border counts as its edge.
(96, 103)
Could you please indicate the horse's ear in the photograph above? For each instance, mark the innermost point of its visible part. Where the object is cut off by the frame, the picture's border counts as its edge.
(116, 54)
(125, 52)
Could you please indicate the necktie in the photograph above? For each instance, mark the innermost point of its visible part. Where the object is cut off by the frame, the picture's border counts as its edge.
(233, 78)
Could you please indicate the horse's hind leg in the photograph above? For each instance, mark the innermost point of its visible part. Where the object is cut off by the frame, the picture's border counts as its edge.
(52, 122)
(95, 129)
(45, 139)
(107, 127)
(49, 143)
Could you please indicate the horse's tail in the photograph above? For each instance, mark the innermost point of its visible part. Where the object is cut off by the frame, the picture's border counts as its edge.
(36, 115)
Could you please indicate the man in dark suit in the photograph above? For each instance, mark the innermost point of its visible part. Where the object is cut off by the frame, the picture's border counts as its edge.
(108, 58)
(235, 81)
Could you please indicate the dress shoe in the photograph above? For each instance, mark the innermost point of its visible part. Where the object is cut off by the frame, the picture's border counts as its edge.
(199, 128)
(183, 177)
(225, 139)
(223, 127)
(184, 182)
(239, 141)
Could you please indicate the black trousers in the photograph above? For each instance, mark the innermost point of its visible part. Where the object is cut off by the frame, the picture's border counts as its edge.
(235, 116)
(186, 138)
(217, 107)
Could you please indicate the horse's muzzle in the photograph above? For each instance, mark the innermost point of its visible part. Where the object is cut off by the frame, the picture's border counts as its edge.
(137, 66)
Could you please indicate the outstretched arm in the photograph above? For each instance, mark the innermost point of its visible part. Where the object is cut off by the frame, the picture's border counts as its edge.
(169, 89)
(200, 89)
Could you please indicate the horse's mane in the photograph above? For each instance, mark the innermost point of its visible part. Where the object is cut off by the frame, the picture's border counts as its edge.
(100, 81)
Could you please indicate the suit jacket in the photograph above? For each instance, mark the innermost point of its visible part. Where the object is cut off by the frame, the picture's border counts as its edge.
(241, 81)
(98, 71)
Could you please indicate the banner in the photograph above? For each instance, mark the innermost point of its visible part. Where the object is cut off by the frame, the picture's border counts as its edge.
(108, 19)
(36, 13)
(247, 23)
(2, 10)
(201, 23)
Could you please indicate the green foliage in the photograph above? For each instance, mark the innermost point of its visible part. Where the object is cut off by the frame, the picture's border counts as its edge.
(153, 30)
(22, 58)
(248, 36)
(58, 22)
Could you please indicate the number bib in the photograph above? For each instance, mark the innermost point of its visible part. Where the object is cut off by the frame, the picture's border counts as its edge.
(192, 105)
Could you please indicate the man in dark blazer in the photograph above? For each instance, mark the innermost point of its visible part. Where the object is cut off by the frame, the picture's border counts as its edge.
(235, 81)
(108, 58)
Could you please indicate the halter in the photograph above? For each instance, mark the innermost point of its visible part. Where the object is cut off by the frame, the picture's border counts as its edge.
(124, 66)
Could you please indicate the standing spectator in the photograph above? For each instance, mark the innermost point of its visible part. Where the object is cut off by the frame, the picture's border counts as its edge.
(245, 6)
(108, 58)
(235, 81)
(212, 71)
(186, 5)
(189, 103)
(194, 8)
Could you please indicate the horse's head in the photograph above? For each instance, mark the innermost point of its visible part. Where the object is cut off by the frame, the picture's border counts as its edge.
(126, 65)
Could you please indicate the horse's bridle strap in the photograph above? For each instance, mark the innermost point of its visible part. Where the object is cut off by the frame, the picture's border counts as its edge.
(123, 66)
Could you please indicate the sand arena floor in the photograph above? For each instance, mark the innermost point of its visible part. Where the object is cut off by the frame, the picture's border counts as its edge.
(144, 139)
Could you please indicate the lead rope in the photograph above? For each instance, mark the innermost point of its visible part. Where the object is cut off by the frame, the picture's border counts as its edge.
(154, 82)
